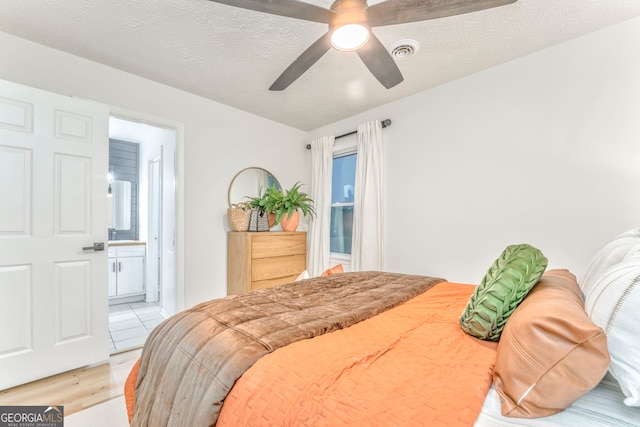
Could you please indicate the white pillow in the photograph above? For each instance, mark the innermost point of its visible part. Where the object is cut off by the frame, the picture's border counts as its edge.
(302, 276)
(621, 247)
(613, 303)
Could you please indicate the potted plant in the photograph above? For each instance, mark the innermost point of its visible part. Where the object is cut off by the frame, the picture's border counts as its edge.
(284, 207)
(288, 206)
(268, 202)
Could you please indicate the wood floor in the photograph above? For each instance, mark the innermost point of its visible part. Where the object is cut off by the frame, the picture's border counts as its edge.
(78, 389)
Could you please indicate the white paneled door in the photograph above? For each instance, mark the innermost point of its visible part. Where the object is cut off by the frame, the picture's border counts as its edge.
(53, 203)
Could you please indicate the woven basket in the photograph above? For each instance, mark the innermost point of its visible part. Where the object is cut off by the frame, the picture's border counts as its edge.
(239, 217)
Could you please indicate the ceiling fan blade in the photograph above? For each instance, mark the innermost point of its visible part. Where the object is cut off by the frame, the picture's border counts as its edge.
(289, 8)
(302, 63)
(380, 63)
(403, 11)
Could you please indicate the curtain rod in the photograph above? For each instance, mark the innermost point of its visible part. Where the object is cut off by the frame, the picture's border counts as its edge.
(385, 123)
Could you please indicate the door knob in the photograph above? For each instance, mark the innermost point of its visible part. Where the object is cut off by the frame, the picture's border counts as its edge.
(98, 246)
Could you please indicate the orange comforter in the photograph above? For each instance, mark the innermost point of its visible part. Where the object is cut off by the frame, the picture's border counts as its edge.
(411, 365)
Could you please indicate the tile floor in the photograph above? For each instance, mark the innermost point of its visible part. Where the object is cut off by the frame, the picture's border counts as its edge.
(130, 324)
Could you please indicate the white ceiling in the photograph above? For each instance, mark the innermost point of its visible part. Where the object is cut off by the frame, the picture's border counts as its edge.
(232, 55)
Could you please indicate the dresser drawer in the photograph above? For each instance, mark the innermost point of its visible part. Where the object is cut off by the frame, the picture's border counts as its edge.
(273, 282)
(268, 246)
(274, 267)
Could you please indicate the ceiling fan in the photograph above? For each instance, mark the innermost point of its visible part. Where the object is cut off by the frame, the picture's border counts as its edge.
(350, 23)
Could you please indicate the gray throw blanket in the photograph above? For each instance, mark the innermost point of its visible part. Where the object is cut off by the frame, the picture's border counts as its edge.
(190, 361)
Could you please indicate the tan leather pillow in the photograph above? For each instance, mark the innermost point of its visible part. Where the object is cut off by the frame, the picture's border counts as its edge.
(333, 270)
(550, 352)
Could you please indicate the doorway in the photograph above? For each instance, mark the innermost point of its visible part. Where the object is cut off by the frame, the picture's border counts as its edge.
(156, 201)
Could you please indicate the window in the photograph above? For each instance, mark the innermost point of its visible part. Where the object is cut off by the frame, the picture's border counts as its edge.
(342, 190)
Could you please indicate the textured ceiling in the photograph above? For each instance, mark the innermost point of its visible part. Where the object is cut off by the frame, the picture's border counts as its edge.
(232, 55)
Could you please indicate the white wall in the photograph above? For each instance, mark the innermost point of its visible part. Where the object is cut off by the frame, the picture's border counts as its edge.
(542, 150)
(219, 141)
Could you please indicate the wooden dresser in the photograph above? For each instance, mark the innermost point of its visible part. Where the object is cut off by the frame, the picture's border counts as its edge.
(264, 259)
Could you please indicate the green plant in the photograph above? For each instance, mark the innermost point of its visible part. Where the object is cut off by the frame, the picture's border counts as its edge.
(269, 200)
(292, 200)
(275, 201)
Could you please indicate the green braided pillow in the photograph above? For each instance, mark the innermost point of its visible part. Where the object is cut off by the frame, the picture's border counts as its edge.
(505, 285)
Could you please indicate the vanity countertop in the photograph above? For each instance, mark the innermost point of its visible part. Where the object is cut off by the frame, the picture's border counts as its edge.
(126, 242)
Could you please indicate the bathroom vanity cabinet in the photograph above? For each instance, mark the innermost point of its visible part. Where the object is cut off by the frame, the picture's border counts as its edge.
(126, 269)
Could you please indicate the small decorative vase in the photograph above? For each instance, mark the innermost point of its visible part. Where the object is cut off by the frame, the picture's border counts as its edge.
(290, 224)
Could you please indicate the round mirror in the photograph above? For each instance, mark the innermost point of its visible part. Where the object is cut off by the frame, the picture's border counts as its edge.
(250, 182)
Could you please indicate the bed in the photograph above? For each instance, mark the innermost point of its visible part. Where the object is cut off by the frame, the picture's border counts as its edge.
(376, 348)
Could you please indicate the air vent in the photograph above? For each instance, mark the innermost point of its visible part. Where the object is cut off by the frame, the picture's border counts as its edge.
(403, 49)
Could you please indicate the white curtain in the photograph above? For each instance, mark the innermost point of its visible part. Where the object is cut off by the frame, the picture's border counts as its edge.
(366, 249)
(319, 227)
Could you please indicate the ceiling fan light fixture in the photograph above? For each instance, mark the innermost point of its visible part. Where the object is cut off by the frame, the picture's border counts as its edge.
(349, 37)
(350, 23)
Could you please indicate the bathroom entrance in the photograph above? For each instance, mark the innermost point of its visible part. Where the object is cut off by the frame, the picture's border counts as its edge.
(143, 156)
